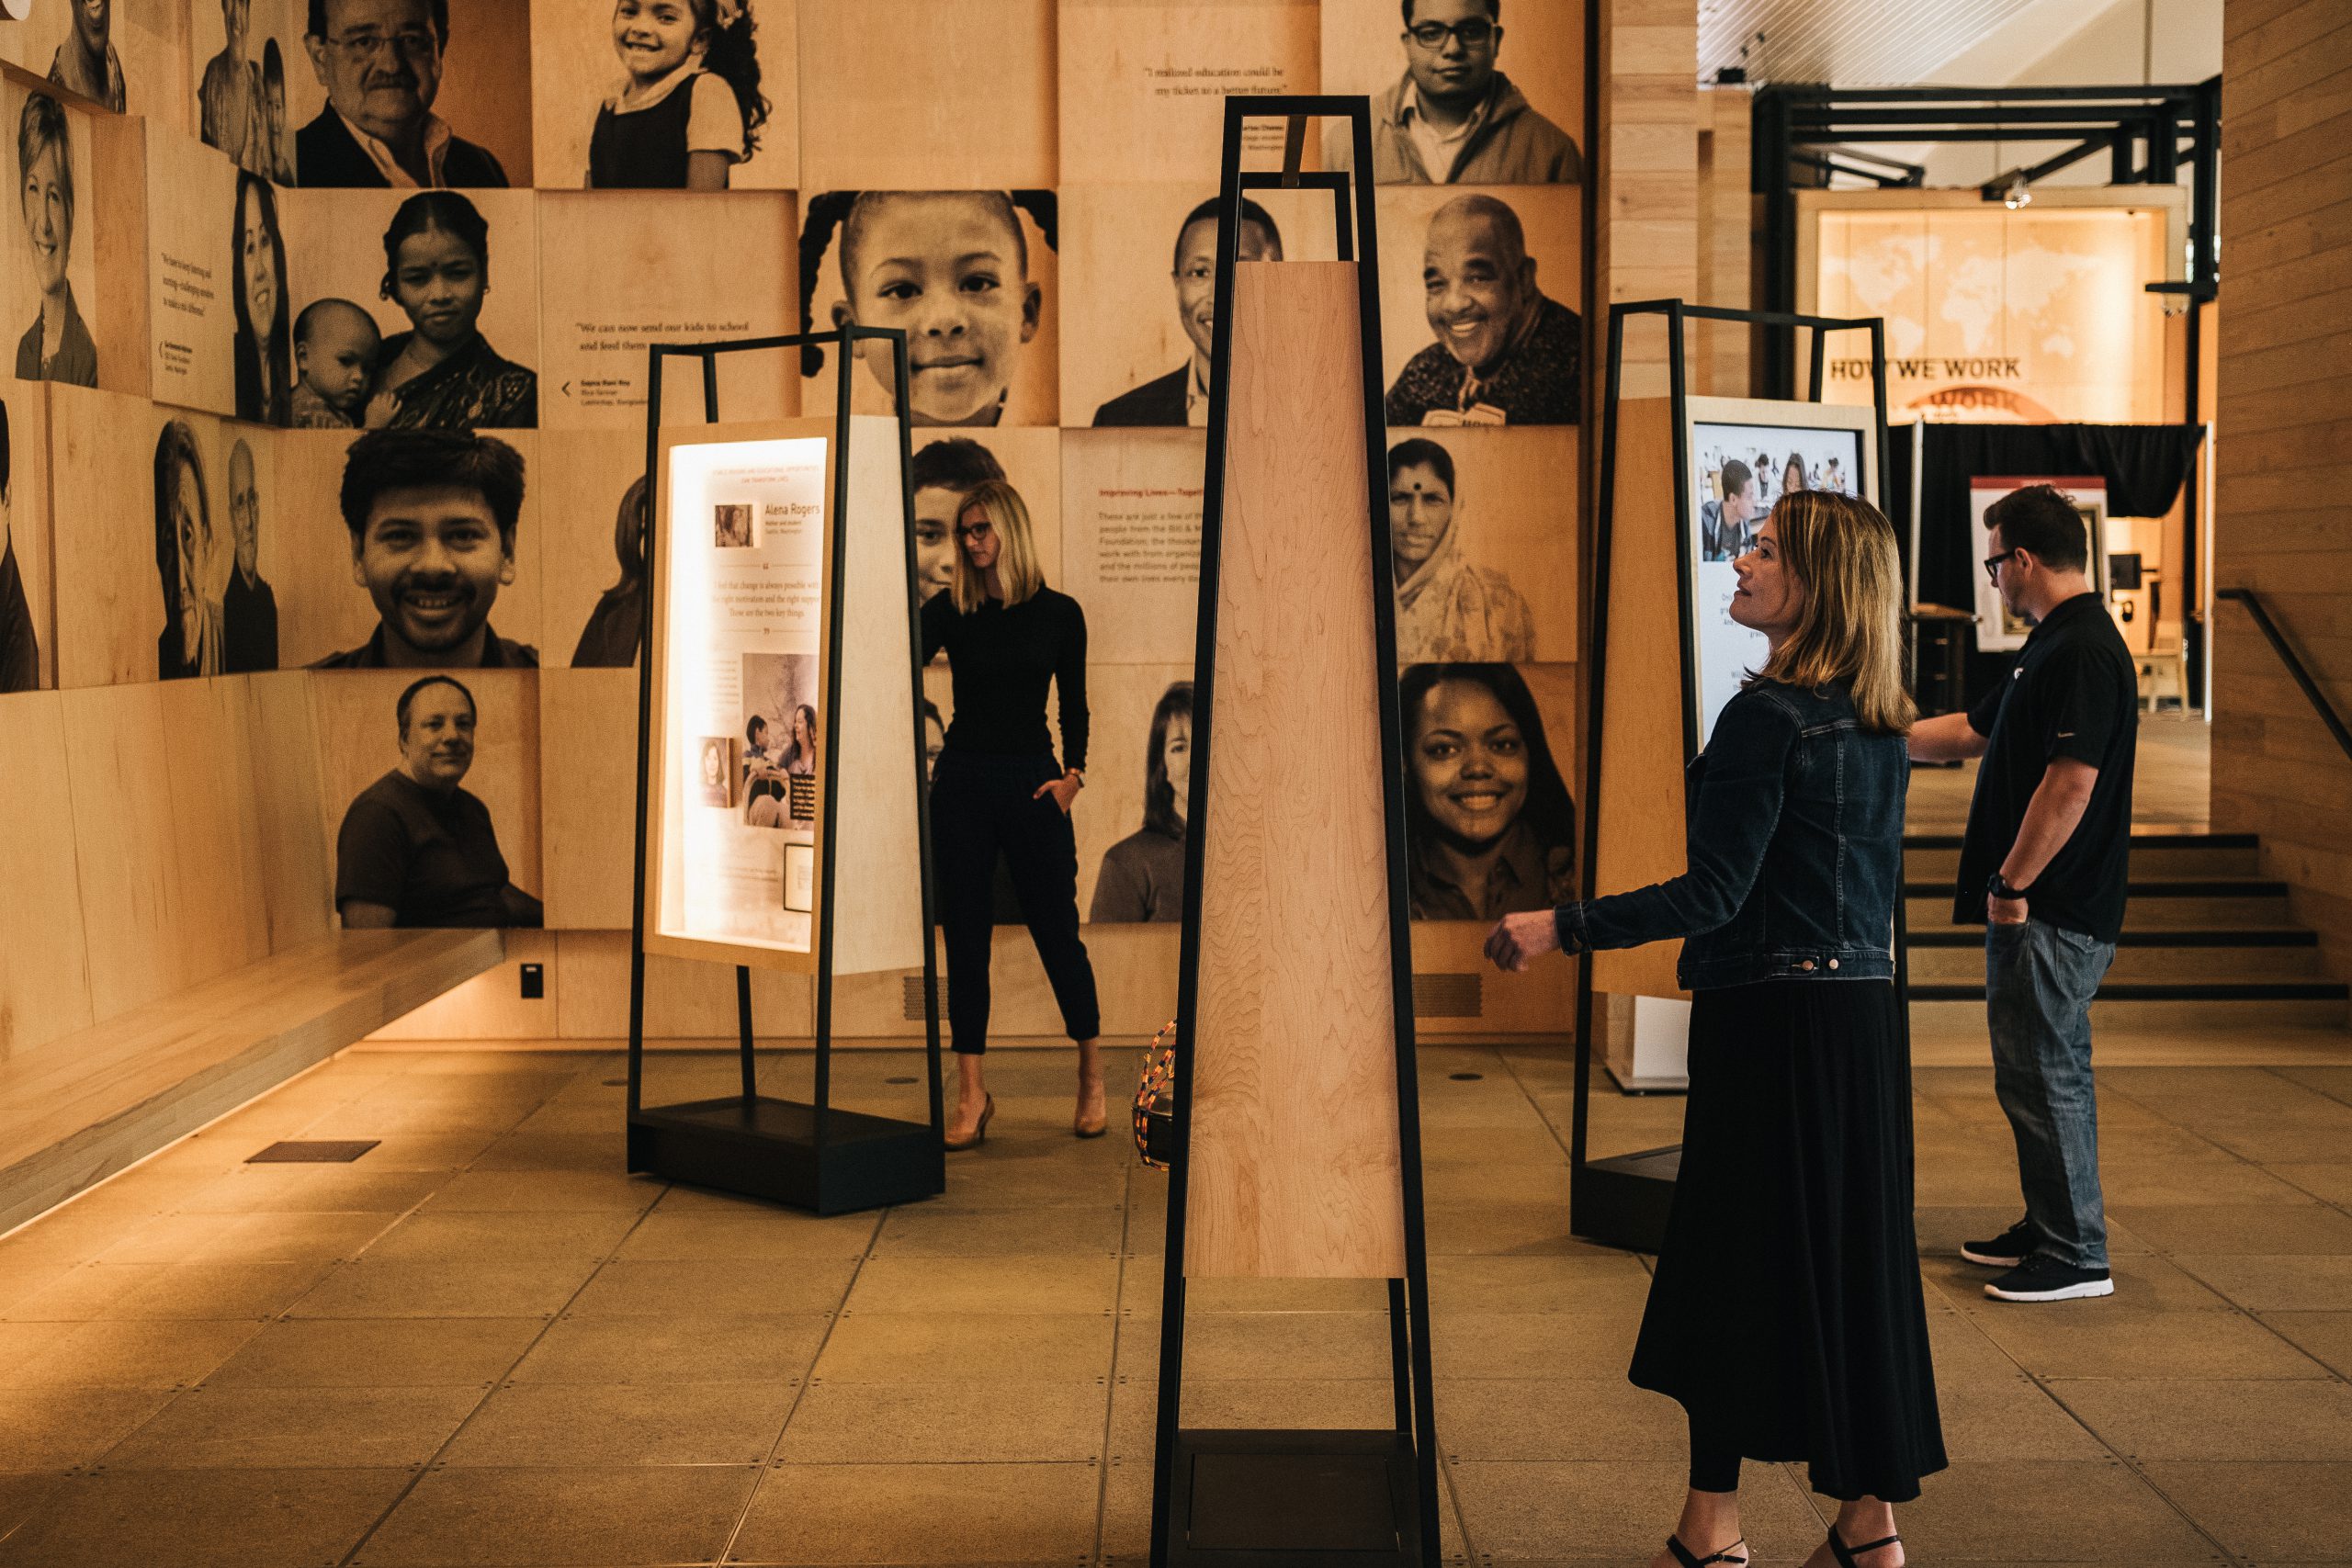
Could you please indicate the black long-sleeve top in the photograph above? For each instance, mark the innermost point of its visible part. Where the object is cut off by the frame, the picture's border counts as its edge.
(1002, 657)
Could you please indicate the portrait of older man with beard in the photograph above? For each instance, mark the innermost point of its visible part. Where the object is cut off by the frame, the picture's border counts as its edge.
(380, 61)
(1504, 354)
(1181, 397)
(432, 515)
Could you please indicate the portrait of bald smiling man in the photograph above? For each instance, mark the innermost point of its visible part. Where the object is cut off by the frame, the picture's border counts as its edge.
(1504, 354)
(380, 61)
(432, 515)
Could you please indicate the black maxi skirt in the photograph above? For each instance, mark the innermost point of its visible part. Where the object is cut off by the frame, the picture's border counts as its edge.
(1786, 1316)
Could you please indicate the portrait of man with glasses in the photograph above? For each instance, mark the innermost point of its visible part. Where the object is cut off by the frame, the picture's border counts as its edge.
(380, 63)
(1453, 118)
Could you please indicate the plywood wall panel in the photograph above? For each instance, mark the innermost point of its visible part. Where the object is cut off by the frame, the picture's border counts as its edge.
(684, 1000)
(139, 941)
(44, 973)
(1143, 86)
(207, 756)
(588, 793)
(109, 599)
(27, 530)
(913, 123)
(294, 865)
(1294, 1114)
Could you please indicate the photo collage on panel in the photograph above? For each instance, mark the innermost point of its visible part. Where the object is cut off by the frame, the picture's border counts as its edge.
(332, 317)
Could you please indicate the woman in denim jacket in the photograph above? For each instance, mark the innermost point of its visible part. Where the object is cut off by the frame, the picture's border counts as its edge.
(1786, 1316)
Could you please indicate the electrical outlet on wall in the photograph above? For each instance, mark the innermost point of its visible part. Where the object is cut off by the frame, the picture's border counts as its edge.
(535, 982)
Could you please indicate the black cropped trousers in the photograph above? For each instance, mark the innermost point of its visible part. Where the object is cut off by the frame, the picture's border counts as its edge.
(982, 806)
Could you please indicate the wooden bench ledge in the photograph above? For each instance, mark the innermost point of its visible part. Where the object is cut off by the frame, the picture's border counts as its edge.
(78, 1109)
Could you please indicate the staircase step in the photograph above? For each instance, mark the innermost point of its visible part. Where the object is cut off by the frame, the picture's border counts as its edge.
(2154, 856)
(1956, 955)
(2251, 1007)
(2167, 906)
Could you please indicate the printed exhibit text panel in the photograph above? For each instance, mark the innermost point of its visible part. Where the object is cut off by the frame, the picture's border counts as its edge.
(738, 673)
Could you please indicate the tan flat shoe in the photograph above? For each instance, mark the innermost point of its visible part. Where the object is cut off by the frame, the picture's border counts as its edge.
(980, 1129)
(1092, 1119)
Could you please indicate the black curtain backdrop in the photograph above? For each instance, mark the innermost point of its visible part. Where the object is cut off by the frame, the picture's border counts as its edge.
(2144, 465)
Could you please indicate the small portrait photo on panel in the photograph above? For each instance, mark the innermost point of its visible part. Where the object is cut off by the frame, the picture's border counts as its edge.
(432, 518)
(1182, 396)
(777, 769)
(1448, 608)
(193, 557)
(86, 62)
(1451, 103)
(1483, 342)
(263, 344)
(715, 765)
(416, 848)
(248, 603)
(1490, 826)
(1141, 877)
(24, 562)
(57, 281)
(670, 95)
(967, 274)
(400, 332)
(735, 525)
(377, 91)
(244, 47)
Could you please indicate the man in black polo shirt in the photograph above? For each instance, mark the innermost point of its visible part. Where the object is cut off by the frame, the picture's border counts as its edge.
(2042, 864)
(417, 850)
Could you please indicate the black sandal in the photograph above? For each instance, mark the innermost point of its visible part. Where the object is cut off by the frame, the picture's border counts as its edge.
(1847, 1555)
(1682, 1554)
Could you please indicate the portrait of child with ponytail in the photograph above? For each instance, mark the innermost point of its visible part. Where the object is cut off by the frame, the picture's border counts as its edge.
(689, 107)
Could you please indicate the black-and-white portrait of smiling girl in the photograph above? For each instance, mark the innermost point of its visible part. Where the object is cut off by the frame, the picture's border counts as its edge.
(965, 273)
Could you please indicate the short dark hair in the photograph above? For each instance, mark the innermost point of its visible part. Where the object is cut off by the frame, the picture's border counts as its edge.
(408, 698)
(273, 62)
(1420, 452)
(2043, 522)
(316, 26)
(956, 463)
(432, 459)
(754, 727)
(1736, 475)
(1251, 213)
(1494, 11)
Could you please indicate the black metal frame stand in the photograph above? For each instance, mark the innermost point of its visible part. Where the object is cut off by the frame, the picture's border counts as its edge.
(1622, 1200)
(1300, 1499)
(808, 1154)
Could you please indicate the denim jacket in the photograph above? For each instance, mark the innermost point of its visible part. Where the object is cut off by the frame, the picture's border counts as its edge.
(1794, 818)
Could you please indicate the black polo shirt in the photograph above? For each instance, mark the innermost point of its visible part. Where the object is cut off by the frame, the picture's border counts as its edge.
(431, 857)
(2074, 691)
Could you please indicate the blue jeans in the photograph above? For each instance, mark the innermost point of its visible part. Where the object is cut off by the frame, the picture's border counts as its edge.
(2039, 979)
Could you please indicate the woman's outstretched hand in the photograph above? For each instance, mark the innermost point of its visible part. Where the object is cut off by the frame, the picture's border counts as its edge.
(1518, 941)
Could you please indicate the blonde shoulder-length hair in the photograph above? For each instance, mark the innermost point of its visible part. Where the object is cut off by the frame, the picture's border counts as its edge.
(1016, 550)
(1851, 628)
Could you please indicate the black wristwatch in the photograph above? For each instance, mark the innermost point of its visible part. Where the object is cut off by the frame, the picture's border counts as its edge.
(1995, 887)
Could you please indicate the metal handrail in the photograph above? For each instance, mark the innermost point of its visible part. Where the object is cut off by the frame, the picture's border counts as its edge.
(2326, 710)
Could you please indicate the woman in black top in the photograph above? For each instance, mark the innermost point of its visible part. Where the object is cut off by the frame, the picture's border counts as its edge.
(997, 788)
(1786, 1316)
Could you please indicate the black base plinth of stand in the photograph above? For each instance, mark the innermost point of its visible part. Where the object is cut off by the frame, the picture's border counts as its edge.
(1623, 1201)
(767, 1148)
(1294, 1499)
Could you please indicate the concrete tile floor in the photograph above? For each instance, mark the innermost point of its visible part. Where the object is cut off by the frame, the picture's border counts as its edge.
(483, 1345)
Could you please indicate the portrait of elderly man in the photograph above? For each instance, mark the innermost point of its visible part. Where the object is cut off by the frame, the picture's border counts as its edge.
(417, 849)
(380, 61)
(1452, 118)
(1181, 397)
(1504, 354)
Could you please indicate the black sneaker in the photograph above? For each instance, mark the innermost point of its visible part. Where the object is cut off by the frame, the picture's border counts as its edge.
(2044, 1279)
(2006, 1250)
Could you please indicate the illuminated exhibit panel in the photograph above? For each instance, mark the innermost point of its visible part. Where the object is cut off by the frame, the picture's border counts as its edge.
(742, 571)
(1745, 454)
